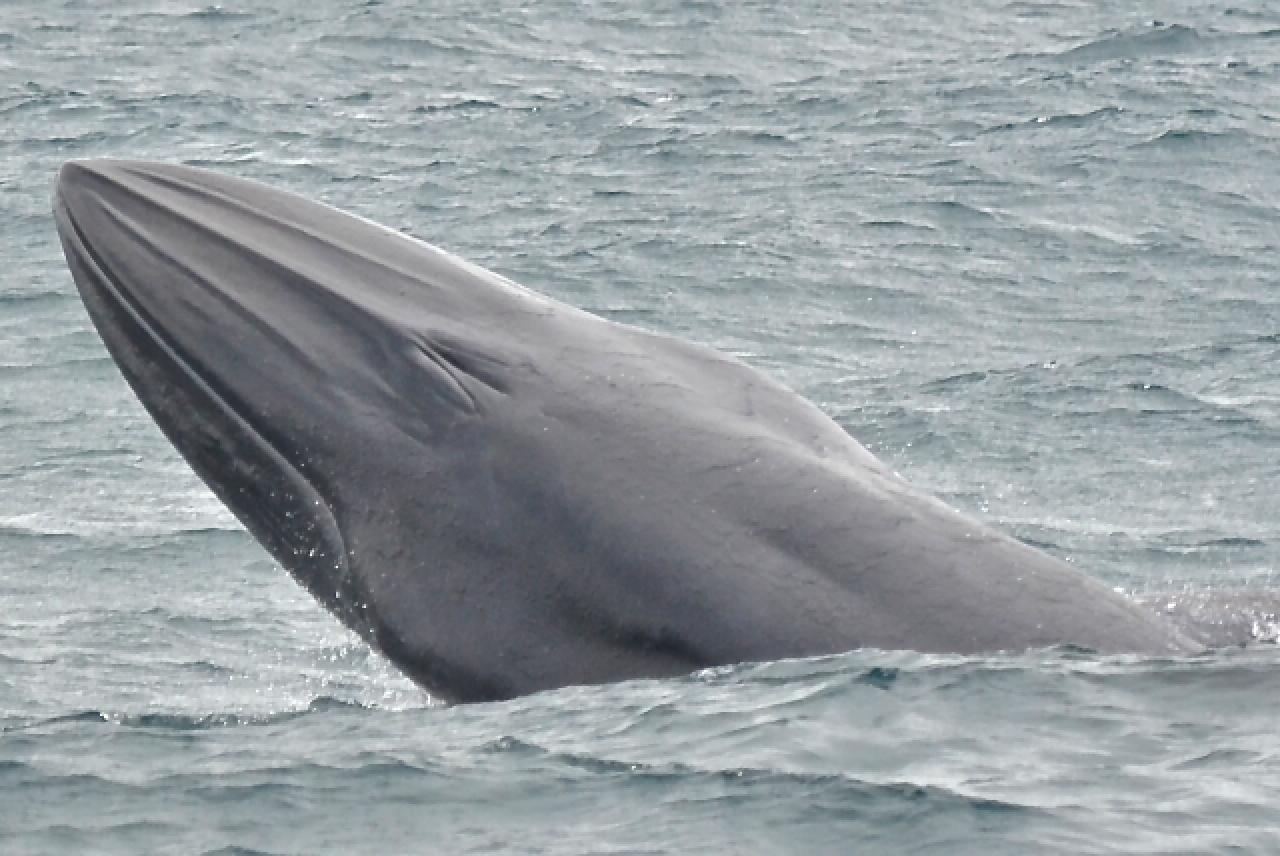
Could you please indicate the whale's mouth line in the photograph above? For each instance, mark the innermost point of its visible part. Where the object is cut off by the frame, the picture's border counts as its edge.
(325, 530)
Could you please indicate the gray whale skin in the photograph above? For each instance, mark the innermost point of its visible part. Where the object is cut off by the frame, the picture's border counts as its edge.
(505, 494)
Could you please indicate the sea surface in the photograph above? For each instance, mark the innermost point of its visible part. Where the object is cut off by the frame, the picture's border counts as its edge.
(1027, 253)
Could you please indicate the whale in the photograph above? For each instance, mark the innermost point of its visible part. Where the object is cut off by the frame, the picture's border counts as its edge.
(505, 494)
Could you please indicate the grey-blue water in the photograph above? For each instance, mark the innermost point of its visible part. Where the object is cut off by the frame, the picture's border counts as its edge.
(1025, 252)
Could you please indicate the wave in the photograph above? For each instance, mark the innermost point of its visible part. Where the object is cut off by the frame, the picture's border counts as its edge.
(1120, 387)
(143, 534)
(1061, 120)
(461, 105)
(853, 792)
(1184, 139)
(1154, 39)
(383, 46)
(16, 297)
(217, 13)
(189, 721)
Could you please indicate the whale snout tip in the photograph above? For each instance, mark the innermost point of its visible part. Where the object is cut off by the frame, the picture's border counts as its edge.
(72, 180)
(86, 175)
(74, 173)
(77, 169)
(73, 169)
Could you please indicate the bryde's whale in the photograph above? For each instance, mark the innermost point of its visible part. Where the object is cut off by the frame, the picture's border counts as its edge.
(506, 494)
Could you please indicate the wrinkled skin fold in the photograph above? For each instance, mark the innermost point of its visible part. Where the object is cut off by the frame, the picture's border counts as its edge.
(505, 494)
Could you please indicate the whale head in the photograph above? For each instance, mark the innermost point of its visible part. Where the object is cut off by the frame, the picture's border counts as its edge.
(307, 363)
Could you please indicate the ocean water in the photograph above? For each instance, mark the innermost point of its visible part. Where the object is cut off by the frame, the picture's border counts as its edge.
(1025, 252)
